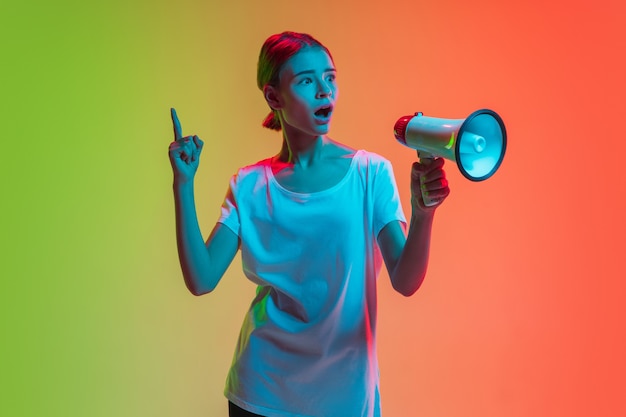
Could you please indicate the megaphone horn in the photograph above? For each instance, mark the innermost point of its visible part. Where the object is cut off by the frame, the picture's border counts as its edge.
(476, 144)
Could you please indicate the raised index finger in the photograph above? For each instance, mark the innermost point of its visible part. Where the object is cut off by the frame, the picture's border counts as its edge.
(178, 130)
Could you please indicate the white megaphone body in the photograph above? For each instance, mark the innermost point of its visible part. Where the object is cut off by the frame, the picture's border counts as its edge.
(476, 144)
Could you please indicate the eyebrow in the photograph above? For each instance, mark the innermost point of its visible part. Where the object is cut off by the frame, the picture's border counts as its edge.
(313, 71)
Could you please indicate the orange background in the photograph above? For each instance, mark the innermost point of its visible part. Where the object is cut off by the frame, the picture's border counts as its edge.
(521, 313)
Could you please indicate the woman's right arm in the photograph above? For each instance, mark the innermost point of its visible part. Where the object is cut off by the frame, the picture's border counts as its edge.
(203, 263)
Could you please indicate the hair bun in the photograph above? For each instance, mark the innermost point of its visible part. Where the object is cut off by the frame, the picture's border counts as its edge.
(272, 122)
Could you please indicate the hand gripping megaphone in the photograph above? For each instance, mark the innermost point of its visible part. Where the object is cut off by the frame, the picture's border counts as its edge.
(476, 143)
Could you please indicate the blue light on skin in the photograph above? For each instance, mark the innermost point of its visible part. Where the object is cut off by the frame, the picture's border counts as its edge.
(309, 160)
(307, 82)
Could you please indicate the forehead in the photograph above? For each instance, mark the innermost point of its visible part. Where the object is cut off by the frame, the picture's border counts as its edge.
(308, 59)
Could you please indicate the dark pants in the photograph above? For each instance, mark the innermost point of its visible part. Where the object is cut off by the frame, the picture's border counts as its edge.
(234, 411)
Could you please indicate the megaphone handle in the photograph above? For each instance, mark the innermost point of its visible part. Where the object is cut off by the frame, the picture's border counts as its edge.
(426, 159)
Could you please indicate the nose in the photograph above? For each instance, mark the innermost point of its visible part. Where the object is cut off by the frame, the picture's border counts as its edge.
(324, 90)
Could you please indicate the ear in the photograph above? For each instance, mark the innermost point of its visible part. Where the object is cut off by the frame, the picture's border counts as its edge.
(272, 97)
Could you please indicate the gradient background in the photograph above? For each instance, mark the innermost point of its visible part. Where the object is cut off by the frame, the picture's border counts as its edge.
(521, 313)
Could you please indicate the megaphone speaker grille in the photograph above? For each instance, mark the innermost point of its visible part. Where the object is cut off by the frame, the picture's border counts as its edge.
(480, 145)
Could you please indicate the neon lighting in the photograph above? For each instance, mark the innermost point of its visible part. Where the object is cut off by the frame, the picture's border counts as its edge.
(451, 143)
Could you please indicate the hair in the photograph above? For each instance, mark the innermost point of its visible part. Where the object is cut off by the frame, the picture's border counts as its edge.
(276, 50)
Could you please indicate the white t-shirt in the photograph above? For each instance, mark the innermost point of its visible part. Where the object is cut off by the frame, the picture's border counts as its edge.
(307, 346)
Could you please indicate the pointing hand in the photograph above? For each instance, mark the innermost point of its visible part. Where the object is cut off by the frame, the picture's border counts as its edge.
(184, 152)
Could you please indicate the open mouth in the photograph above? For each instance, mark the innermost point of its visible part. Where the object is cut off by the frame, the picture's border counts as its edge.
(324, 112)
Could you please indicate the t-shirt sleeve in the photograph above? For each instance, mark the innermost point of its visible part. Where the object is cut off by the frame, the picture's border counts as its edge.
(229, 212)
(387, 204)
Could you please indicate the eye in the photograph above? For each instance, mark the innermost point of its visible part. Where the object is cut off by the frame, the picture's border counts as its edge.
(331, 78)
(305, 81)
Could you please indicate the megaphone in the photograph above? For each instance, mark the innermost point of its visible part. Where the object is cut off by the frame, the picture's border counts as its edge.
(477, 143)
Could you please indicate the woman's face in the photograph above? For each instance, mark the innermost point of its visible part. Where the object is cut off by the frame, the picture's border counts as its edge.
(308, 91)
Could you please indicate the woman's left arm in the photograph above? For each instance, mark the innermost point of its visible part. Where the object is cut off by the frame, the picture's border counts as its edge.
(406, 258)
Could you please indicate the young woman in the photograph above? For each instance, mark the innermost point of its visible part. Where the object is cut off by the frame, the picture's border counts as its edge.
(313, 224)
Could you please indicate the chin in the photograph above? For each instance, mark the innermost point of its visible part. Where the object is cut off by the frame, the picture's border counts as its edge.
(323, 129)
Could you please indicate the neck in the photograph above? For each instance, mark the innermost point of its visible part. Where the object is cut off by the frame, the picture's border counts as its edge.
(299, 149)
